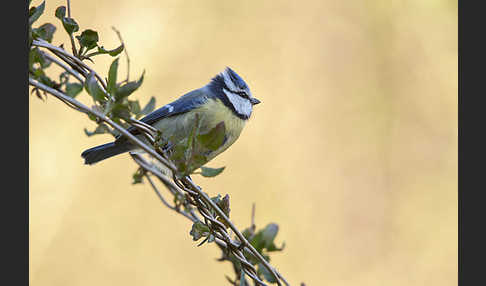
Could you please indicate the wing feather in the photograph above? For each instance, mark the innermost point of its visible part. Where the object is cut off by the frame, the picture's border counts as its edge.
(183, 104)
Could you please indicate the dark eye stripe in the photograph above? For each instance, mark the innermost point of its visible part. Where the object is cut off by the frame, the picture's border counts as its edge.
(240, 93)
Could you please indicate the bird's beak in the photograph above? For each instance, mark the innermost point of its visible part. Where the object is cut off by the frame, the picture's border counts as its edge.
(254, 101)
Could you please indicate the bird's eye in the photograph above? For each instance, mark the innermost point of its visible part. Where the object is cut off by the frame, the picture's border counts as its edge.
(242, 94)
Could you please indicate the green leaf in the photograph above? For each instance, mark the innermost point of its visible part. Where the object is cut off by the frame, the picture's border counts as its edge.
(265, 238)
(211, 238)
(60, 12)
(64, 77)
(192, 134)
(224, 205)
(121, 110)
(177, 156)
(128, 88)
(36, 56)
(37, 73)
(266, 274)
(134, 107)
(211, 172)
(269, 233)
(115, 52)
(36, 12)
(88, 39)
(46, 32)
(199, 230)
(149, 107)
(273, 247)
(73, 89)
(100, 129)
(112, 75)
(93, 88)
(247, 232)
(137, 176)
(189, 154)
(213, 139)
(47, 81)
(216, 199)
(195, 157)
(70, 25)
(32, 55)
(92, 117)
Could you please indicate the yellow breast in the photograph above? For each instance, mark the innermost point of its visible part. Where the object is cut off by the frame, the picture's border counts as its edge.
(211, 113)
(214, 112)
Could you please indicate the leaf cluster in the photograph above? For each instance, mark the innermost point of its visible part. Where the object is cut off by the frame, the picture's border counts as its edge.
(200, 229)
(111, 98)
(263, 240)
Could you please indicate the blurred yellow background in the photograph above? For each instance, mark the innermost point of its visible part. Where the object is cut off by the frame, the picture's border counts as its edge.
(353, 151)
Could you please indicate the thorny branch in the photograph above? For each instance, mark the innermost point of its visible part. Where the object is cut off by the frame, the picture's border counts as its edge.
(190, 197)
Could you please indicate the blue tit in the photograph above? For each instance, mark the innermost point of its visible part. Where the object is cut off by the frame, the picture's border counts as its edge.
(226, 98)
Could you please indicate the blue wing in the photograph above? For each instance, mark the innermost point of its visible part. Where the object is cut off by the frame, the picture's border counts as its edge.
(183, 104)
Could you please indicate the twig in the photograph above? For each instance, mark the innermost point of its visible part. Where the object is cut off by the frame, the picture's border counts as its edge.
(44, 44)
(150, 168)
(64, 66)
(144, 125)
(71, 63)
(126, 52)
(69, 8)
(233, 227)
(73, 44)
(102, 117)
(166, 203)
(253, 227)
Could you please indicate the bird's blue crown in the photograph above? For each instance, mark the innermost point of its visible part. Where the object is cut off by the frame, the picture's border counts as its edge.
(235, 83)
(236, 79)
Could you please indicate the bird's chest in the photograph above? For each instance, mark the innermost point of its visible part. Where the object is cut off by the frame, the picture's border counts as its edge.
(210, 115)
(215, 112)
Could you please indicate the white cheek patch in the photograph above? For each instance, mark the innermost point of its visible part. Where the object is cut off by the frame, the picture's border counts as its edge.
(242, 105)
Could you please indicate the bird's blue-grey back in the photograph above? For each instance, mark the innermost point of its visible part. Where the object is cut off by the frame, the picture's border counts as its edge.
(185, 103)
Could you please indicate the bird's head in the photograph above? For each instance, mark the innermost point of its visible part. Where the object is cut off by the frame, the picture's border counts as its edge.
(234, 92)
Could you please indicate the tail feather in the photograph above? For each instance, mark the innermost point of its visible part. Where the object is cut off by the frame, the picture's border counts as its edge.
(102, 152)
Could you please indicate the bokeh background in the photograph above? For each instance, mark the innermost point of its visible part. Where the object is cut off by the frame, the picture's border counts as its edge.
(353, 151)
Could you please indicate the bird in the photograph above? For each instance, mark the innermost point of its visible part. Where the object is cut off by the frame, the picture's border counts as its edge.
(226, 98)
